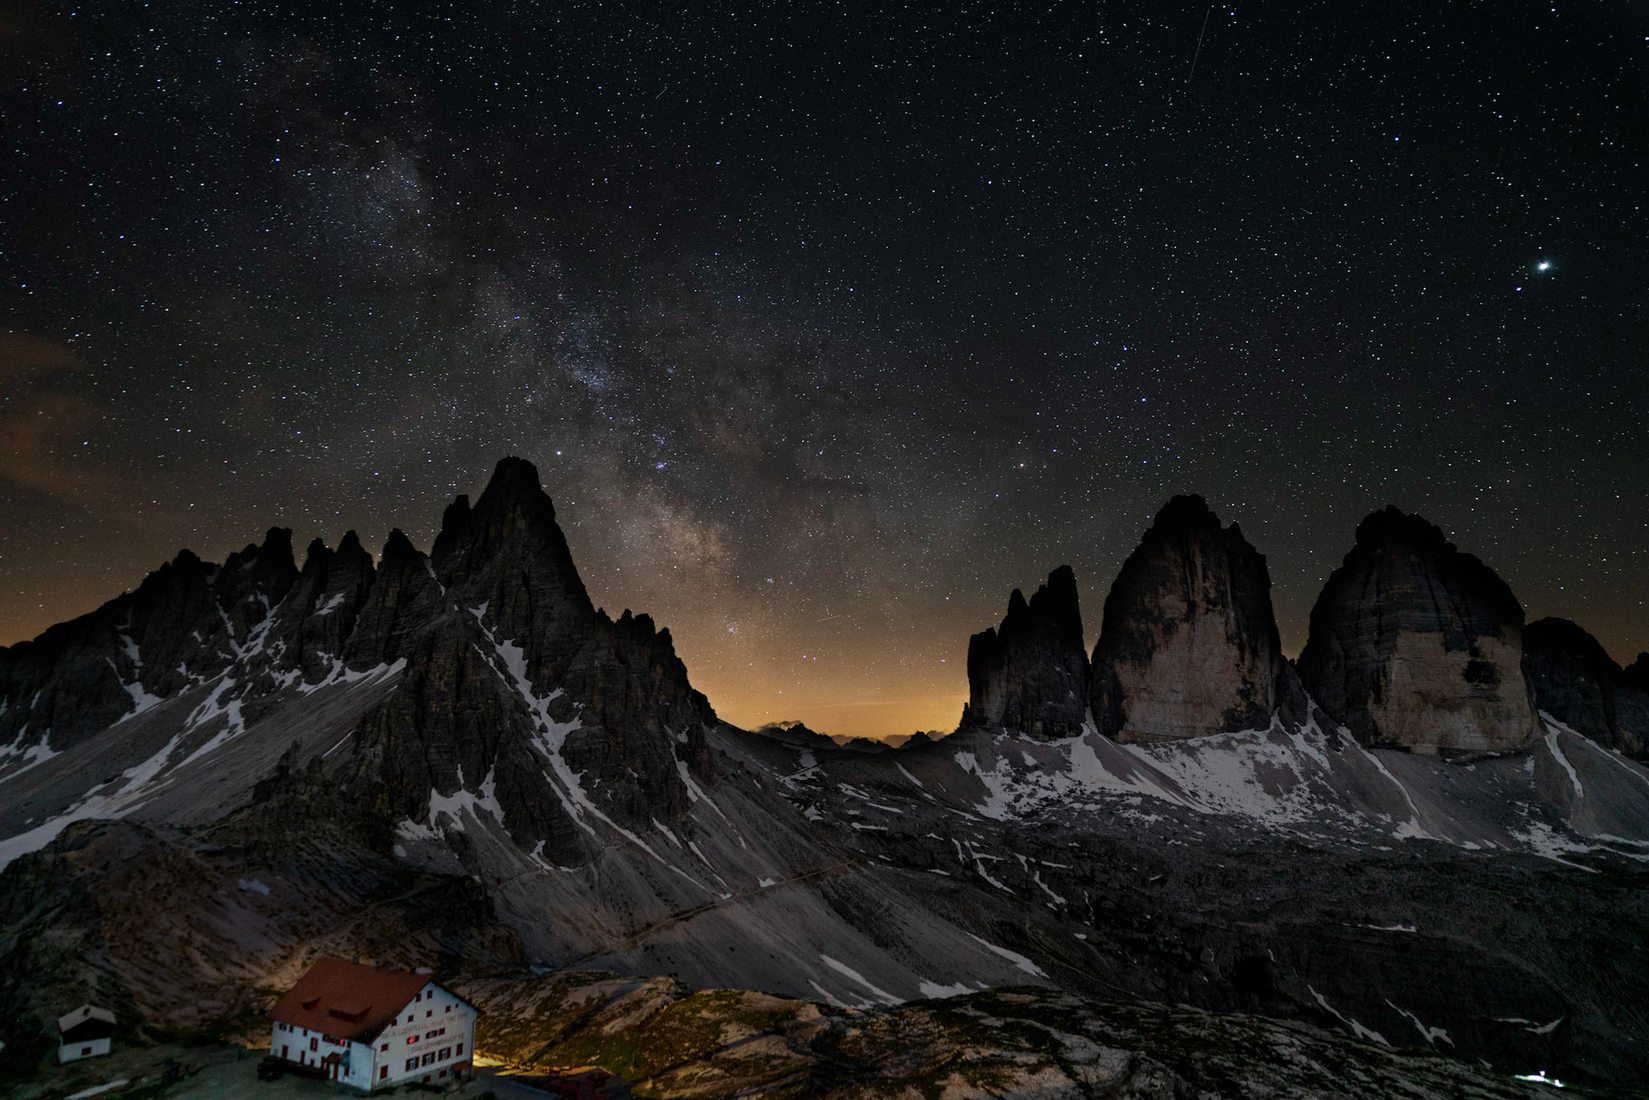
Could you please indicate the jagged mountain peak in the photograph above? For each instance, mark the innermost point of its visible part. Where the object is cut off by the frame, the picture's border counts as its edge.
(1391, 525)
(1054, 605)
(1189, 644)
(350, 546)
(316, 552)
(1417, 644)
(513, 478)
(397, 547)
(513, 499)
(318, 556)
(1183, 511)
(509, 539)
(1393, 531)
(274, 554)
(1030, 673)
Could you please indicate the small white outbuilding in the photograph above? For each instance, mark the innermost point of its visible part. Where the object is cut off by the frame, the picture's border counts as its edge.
(84, 1033)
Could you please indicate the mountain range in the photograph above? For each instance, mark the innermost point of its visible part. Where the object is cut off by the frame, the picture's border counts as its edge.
(1430, 832)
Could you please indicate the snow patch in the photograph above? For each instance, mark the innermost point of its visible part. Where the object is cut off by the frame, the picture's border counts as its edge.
(1431, 1035)
(935, 991)
(1357, 1029)
(1557, 755)
(847, 971)
(1012, 956)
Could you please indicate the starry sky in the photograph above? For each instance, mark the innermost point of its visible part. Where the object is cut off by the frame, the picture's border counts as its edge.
(825, 326)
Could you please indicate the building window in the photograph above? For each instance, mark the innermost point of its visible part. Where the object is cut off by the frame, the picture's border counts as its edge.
(429, 1059)
(443, 1054)
(383, 1072)
(384, 1047)
(411, 1039)
(459, 1049)
(412, 1064)
(314, 1044)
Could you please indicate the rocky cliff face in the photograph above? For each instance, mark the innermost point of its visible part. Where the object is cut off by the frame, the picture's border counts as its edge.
(319, 612)
(1031, 673)
(184, 625)
(516, 688)
(1576, 681)
(1417, 645)
(1189, 644)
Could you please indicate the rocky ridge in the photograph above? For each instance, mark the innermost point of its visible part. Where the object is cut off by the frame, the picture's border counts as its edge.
(462, 637)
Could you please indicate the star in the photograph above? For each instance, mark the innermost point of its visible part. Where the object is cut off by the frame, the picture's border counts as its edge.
(1543, 266)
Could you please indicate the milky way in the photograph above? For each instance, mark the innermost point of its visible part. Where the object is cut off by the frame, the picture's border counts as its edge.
(826, 329)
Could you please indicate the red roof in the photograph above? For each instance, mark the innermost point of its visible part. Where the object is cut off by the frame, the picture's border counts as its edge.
(347, 1000)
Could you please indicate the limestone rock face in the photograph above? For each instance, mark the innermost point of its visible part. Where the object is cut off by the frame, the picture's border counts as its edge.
(508, 666)
(184, 625)
(319, 612)
(1189, 645)
(1031, 673)
(1416, 645)
(1576, 681)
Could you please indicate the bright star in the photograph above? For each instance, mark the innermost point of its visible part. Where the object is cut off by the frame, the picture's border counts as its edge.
(1543, 265)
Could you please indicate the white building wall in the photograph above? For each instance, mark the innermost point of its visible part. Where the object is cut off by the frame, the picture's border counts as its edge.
(433, 1024)
(306, 1047)
(91, 1048)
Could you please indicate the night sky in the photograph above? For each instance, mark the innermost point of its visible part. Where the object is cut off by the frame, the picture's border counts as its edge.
(827, 328)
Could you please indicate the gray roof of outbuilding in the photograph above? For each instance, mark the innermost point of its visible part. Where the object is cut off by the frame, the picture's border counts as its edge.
(82, 1014)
